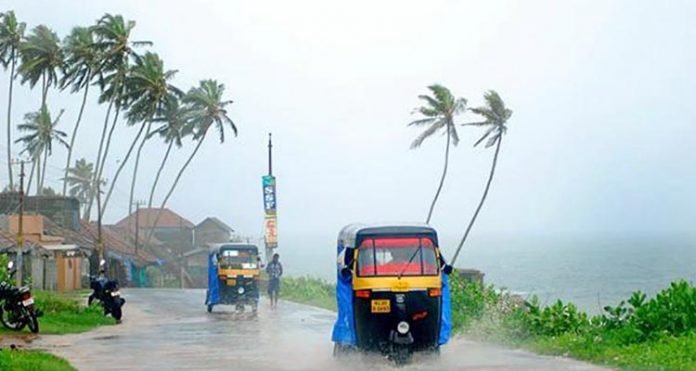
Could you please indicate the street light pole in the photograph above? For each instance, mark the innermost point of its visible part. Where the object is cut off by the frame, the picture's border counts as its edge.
(100, 241)
(270, 157)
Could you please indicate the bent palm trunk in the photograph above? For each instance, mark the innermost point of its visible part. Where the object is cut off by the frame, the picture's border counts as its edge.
(135, 168)
(483, 199)
(97, 164)
(159, 173)
(120, 168)
(171, 189)
(9, 122)
(442, 179)
(72, 140)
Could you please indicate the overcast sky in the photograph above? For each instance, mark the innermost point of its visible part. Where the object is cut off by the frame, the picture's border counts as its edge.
(601, 140)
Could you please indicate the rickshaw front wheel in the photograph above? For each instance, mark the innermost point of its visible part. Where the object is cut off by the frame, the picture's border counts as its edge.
(400, 355)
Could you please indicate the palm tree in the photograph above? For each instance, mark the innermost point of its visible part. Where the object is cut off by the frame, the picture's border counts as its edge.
(41, 132)
(11, 34)
(173, 129)
(42, 58)
(439, 111)
(81, 61)
(495, 116)
(80, 181)
(149, 89)
(207, 108)
(116, 49)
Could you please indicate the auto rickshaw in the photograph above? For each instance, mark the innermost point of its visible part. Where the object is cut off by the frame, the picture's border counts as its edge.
(233, 276)
(392, 291)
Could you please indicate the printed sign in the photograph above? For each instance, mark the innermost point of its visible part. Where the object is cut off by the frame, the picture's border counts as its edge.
(271, 231)
(269, 194)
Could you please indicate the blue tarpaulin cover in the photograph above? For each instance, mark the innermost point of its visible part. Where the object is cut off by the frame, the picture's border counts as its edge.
(446, 310)
(344, 328)
(212, 296)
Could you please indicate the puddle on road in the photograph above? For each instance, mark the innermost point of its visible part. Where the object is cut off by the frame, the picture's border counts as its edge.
(108, 337)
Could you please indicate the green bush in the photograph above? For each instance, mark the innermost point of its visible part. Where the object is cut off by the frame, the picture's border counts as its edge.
(556, 319)
(670, 312)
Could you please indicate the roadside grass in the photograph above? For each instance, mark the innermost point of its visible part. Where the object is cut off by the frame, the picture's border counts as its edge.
(311, 291)
(640, 333)
(647, 334)
(665, 353)
(65, 314)
(16, 360)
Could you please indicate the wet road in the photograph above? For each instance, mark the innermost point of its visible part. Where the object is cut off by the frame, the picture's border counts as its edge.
(170, 330)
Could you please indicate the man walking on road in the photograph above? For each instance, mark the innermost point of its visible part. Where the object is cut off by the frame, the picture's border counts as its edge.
(275, 271)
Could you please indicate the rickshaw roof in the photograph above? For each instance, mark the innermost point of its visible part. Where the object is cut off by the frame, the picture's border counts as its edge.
(215, 248)
(350, 233)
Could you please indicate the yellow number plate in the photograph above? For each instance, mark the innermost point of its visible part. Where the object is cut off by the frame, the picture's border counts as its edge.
(381, 306)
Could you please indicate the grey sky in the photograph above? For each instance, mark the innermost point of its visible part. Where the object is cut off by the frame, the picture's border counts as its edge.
(600, 141)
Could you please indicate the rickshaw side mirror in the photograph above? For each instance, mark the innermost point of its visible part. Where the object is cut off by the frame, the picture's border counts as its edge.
(348, 257)
(346, 272)
(447, 269)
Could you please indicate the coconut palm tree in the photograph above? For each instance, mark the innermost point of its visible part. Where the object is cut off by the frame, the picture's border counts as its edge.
(150, 92)
(149, 89)
(80, 181)
(113, 41)
(81, 61)
(439, 112)
(206, 109)
(174, 128)
(495, 117)
(42, 59)
(11, 34)
(41, 133)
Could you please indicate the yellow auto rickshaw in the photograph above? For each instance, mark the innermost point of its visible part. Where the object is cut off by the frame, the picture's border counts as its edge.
(233, 276)
(392, 291)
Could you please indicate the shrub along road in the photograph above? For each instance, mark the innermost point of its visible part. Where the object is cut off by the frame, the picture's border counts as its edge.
(170, 329)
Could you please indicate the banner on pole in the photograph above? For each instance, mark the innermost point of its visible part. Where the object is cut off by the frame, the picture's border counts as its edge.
(269, 205)
(271, 228)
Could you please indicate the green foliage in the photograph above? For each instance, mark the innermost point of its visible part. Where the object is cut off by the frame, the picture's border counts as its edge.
(310, 291)
(659, 333)
(670, 312)
(4, 275)
(31, 360)
(556, 319)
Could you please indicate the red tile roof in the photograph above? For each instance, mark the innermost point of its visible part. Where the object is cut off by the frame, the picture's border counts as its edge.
(146, 219)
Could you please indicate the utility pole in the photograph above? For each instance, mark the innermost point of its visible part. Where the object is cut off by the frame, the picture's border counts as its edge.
(20, 225)
(100, 241)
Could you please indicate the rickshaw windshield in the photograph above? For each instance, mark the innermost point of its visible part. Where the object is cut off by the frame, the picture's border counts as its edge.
(238, 259)
(394, 256)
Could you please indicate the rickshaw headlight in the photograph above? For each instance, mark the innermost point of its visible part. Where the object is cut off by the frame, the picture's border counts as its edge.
(403, 327)
(240, 290)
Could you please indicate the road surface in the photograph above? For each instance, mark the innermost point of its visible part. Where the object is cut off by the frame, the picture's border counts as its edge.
(171, 330)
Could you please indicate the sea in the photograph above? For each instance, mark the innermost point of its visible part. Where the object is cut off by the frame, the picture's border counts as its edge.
(592, 272)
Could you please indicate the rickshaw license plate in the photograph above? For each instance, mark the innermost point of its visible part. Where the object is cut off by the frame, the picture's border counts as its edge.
(381, 306)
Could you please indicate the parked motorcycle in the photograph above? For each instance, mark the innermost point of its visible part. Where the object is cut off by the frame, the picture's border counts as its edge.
(17, 305)
(107, 293)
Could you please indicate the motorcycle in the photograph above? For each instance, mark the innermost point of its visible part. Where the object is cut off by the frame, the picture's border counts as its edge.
(17, 306)
(107, 293)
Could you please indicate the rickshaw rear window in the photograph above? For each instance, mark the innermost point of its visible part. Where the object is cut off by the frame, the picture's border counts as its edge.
(238, 259)
(391, 256)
